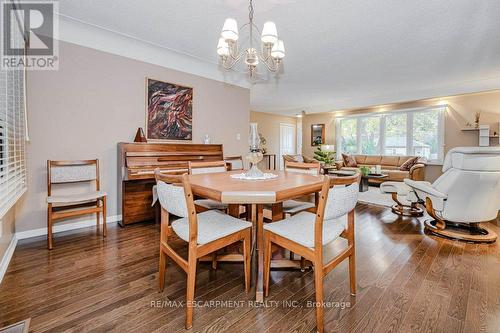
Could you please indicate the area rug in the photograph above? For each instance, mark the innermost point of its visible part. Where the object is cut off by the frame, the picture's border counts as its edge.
(374, 197)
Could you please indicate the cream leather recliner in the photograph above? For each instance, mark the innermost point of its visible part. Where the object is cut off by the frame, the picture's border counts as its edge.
(467, 193)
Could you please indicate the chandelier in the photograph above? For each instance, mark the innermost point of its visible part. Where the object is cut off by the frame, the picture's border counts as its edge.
(272, 49)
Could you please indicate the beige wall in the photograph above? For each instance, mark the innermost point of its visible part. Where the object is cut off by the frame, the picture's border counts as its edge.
(319, 118)
(7, 231)
(460, 111)
(96, 100)
(269, 127)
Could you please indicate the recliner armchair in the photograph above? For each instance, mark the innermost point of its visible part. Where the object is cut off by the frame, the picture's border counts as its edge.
(467, 193)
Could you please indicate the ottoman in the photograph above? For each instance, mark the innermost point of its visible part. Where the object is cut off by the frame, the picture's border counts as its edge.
(400, 193)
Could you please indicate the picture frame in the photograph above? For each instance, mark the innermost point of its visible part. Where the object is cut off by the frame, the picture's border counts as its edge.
(169, 111)
(317, 134)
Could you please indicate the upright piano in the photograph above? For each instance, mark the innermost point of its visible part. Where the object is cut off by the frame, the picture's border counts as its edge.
(136, 165)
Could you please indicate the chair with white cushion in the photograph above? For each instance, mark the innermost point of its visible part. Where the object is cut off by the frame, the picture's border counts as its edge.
(196, 168)
(69, 202)
(205, 233)
(466, 194)
(311, 234)
(292, 207)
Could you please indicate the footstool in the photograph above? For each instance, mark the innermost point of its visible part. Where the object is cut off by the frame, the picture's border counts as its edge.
(402, 192)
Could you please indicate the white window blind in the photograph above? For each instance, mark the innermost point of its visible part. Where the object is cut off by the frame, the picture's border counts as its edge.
(12, 134)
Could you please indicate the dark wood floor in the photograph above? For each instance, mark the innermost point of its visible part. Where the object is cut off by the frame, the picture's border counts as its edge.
(407, 281)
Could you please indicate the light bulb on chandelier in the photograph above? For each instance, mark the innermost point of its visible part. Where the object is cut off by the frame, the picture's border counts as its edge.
(272, 49)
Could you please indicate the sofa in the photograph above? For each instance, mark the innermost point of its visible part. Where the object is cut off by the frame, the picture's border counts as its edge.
(390, 166)
(298, 158)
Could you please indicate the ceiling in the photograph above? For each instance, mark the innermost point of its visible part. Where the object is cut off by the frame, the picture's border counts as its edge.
(340, 54)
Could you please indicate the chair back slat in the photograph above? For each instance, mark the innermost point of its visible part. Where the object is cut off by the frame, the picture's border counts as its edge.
(72, 174)
(338, 197)
(308, 168)
(63, 172)
(340, 201)
(171, 193)
(196, 168)
(236, 162)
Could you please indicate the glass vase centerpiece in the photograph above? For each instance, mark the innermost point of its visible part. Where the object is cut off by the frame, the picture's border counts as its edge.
(254, 156)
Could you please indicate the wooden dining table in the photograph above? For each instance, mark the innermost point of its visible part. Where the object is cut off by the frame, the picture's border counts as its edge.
(235, 192)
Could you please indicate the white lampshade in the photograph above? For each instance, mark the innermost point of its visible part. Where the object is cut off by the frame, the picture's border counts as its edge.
(278, 50)
(328, 148)
(269, 33)
(222, 47)
(230, 30)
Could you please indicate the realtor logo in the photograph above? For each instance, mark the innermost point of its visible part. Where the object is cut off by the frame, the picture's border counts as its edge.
(29, 35)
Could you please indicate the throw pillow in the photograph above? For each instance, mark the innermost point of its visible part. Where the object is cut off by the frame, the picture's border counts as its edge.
(406, 166)
(349, 160)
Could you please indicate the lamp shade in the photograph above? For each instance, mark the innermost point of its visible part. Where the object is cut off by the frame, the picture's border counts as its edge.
(278, 50)
(222, 47)
(328, 148)
(230, 30)
(269, 33)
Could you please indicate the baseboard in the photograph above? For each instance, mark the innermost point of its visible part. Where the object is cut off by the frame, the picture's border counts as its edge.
(4, 264)
(64, 227)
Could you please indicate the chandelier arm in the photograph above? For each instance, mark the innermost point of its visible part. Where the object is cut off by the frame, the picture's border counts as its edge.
(271, 64)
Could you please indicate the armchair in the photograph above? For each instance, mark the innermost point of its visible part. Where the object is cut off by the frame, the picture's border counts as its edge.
(467, 193)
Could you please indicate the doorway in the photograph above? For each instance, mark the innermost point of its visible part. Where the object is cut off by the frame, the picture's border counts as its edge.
(287, 142)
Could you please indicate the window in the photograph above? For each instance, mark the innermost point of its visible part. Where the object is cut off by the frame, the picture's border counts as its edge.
(12, 135)
(411, 132)
(395, 134)
(348, 138)
(370, 135)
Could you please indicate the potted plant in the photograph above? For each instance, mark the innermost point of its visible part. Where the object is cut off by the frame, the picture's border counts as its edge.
(325, 157)
(365, 171)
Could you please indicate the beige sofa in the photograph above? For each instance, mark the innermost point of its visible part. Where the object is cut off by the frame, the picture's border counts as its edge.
(298, 158)
(390, 165)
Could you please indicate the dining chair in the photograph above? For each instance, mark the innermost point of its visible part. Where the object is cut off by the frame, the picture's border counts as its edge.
(205, 233)
(196, 168)
(292, 207)
(236, 162)
(309, 234)
(66, 202)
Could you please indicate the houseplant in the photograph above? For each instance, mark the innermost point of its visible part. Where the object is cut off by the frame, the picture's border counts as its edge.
(326, 157)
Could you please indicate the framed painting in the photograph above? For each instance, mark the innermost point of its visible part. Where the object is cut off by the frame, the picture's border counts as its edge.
(169, 111)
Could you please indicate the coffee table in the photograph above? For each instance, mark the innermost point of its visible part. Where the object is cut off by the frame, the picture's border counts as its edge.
(363, 184)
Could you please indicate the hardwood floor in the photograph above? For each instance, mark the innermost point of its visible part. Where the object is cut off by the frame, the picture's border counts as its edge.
(407, 282)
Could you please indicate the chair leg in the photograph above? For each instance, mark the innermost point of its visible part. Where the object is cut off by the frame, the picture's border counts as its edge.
(318, 284)
(352, 272)
(247, 241)
(214, 260)
(161, 270)
(267, 261)
(49, 226)
(104, 228)
(191, 280)
(302, 264)
(98, 217)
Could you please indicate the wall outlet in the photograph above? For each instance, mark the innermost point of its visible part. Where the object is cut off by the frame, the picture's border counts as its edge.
(238, 136)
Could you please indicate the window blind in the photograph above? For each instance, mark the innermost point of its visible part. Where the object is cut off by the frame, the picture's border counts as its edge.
(12, 133)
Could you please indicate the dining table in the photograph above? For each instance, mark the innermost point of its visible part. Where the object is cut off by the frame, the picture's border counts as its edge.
(255, 193)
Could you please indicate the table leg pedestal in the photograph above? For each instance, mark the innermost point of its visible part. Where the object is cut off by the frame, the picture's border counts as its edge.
(259, 289)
